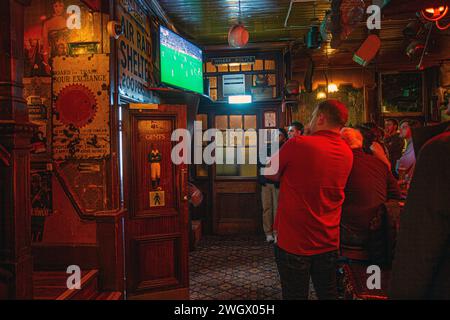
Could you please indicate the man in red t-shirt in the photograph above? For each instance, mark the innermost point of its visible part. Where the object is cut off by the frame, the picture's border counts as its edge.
(313, 171)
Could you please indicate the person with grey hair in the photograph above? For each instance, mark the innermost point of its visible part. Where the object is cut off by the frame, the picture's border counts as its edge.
(352, 137)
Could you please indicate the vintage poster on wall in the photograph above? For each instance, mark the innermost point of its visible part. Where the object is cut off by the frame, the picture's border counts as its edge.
(41, 193)
(37, 92)
(81, 107)
(41, 202)
(54, 28)
(135, 52)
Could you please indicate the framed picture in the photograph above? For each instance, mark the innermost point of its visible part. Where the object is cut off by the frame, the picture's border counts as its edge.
(402, 93)
(270, 119)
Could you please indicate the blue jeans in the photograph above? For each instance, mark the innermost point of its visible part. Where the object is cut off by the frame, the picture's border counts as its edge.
(295, 272)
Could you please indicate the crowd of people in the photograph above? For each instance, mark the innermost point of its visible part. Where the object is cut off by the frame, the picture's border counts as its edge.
(326, 200)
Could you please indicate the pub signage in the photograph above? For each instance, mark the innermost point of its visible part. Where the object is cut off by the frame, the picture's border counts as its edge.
(227, 60)
(134, 52)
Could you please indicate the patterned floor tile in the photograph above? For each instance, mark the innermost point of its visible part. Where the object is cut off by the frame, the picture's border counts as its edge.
(234, 268)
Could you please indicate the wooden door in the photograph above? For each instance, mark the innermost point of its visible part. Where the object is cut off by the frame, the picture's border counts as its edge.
(235, 188)
(157, 224)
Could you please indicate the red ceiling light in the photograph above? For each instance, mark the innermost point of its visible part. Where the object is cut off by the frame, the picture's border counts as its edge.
(436, 14)
(238, 34)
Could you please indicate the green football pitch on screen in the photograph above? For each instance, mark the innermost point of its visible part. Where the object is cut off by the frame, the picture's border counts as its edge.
(181, 70)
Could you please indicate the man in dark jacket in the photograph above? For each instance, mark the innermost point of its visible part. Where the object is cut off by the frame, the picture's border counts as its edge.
(421, 268)
(393, 142)
(269, 192)
(369, 186)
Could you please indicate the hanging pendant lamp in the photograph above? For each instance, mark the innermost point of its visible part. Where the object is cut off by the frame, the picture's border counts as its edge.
(238, 34)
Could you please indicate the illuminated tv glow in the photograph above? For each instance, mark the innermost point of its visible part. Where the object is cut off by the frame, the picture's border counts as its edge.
(181, 62)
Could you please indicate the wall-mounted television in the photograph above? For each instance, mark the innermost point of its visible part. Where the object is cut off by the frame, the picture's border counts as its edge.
(181, 62)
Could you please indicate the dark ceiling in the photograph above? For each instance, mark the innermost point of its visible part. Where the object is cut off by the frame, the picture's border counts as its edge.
(206, 22)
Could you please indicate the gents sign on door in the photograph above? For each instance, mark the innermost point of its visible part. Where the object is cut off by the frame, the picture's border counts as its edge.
(135, 52)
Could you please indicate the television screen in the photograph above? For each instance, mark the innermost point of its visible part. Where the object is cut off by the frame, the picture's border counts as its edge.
(181, 62)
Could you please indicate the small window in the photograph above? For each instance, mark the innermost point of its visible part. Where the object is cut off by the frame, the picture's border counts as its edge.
(239, 148)
(235, 68)
(269, 65)
(201, 170)
(204, 119)
(210, 67)
(223, 68)
(213, 94)
(213, 82)
(259, 65)
(250, 122)
(213, 88)
(246, 67)
(221, 122)
(236, 122)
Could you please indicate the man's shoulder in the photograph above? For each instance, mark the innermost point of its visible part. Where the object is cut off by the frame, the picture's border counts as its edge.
(437, 145)
(303, 142)
(370, 160)
(294, 141)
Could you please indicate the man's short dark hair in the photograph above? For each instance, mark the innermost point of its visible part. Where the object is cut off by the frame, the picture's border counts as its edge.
(411, 123)
(394, 121)
(298, 125)
(335, 111)
(368, 137)
(375, 129)
(284, 133)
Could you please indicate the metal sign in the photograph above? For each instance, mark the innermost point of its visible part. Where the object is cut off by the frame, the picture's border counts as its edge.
(144, 106)
(157, 199)
(228, 60)
(135, 53)
(233, 84)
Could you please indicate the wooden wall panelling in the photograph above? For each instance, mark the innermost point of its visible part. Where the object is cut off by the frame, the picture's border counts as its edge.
(237, 208)
(15, 134)
(58, 257)
(165, 270)
(110, 242)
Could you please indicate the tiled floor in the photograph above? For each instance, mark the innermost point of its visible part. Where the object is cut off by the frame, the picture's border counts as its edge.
(233, 268)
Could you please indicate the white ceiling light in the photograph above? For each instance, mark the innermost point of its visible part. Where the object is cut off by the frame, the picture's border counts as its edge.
(240, 99)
